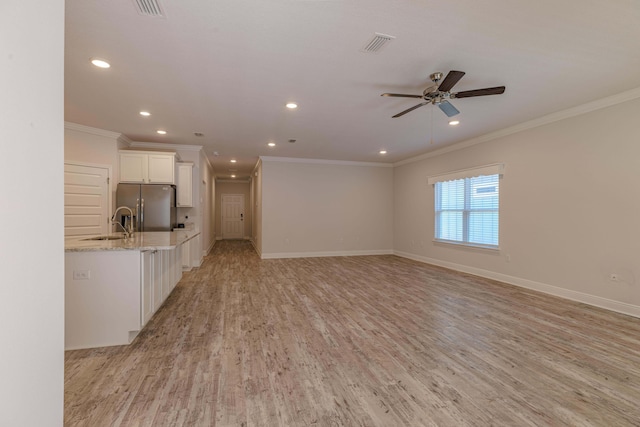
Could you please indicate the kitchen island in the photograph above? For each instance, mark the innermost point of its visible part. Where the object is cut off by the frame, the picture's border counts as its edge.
(113, 287)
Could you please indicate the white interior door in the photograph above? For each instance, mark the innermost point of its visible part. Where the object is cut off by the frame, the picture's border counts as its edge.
(86, 200)
(232, 216)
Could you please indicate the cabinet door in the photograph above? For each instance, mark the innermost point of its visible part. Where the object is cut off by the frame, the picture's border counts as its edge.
(186, 256)
(177, 265)
(185, 185)
(161, 169)
(166, 273)
(133, 167)
(157, 280)
(196, 257)
(146, 286)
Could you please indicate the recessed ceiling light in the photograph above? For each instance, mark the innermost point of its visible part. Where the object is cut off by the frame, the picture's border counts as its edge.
(145, 113)
(292, 105)
(162, 132)
(233, 176)
(271, 144)
(101, 63)
(233, 160)
(454, 122)
(383, 151)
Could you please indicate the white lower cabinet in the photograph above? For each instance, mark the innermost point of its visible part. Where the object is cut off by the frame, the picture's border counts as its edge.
(160, 273)
(151, 277)
(146, 285)
(111, 295)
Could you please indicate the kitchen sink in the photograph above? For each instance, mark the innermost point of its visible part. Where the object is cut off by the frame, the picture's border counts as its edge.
(105, 238)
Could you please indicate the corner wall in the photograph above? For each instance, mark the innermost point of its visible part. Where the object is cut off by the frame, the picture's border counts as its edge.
(569, 208)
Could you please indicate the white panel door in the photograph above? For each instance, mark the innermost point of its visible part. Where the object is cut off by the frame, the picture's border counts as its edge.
(86, 200)
(232, 216)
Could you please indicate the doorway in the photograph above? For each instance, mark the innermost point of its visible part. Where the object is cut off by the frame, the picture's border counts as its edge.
(232, 216)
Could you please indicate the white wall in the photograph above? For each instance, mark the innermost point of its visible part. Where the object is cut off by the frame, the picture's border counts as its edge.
(569, 208)
(316, 208)
(32, 242)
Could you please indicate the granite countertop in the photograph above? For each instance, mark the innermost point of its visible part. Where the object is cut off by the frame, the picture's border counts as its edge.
(139, 242)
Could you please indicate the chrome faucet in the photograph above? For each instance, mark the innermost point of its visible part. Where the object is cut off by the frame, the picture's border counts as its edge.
(128, 231)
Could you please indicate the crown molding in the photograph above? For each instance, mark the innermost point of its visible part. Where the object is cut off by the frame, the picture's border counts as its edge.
(164, 145)
(267, 159)
(540, 121)
(234, 181)
(93, 131)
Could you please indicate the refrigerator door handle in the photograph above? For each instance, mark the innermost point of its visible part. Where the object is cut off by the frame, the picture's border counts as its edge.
(142, 215)
(137, 214)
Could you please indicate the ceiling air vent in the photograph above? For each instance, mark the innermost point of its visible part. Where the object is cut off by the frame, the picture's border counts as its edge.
(149, 8)
(377, 42)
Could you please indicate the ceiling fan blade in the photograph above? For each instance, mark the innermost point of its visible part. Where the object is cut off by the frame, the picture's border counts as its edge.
(450, 81)
(409, 110)
(479, 92)
(448, 109)
(401, 95)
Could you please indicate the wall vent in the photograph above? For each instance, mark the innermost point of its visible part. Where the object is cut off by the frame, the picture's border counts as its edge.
(377, 42)
(149, 8)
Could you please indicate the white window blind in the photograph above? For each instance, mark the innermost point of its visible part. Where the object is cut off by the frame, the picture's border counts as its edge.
(467, 206)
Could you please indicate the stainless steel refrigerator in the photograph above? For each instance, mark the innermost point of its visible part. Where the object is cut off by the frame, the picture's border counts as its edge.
(153, 206)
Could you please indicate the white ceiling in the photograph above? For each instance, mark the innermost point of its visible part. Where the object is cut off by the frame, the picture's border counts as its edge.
(227, 68)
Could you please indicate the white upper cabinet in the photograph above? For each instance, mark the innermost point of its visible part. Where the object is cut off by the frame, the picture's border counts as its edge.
(134, 167)
(147, 167)
(185, 185)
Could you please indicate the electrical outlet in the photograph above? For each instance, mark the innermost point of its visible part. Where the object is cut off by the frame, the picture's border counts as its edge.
(81, 274)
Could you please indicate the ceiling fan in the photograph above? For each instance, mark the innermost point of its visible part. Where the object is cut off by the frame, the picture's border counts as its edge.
(439, 93)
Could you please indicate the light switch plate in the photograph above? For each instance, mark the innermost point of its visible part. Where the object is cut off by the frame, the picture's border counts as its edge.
(81, 274)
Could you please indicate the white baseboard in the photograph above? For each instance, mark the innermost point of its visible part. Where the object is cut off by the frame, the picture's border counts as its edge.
(617, 306)
(275, 255)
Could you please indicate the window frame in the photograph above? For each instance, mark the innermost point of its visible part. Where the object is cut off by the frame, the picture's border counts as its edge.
(467, 175)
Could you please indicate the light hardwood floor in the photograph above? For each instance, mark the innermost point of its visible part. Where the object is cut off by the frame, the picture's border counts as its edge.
(359, 341)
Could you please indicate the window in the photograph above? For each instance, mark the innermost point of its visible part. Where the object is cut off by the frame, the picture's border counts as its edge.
(467, 207)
